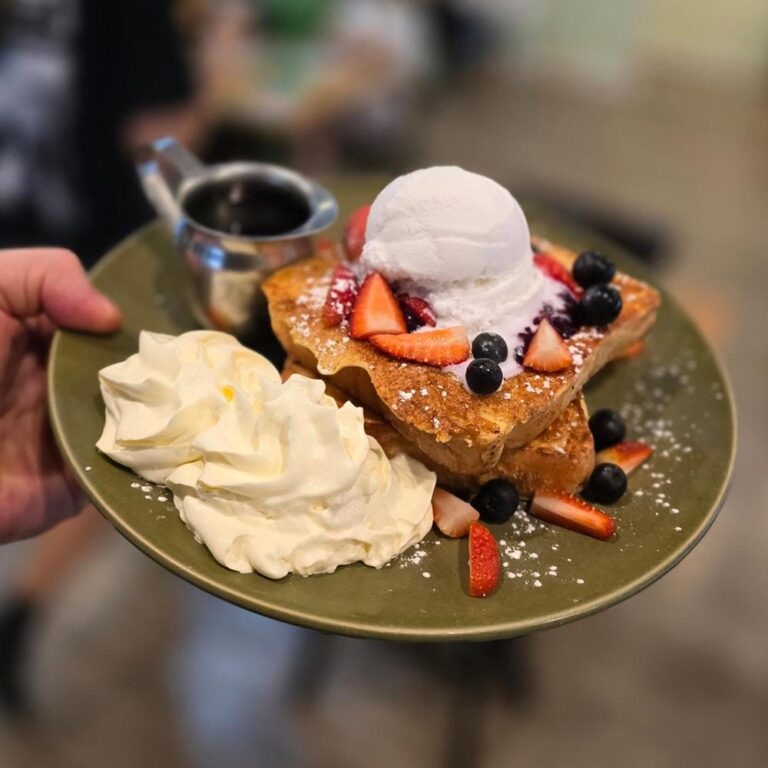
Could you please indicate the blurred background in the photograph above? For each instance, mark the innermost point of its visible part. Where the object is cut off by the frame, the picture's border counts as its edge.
(643, 120)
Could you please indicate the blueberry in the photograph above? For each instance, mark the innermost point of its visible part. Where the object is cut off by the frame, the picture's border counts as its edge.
(607, 483)
(592, 268)
(599, 305)
(607, 428)
(484, 376)
(491, 346)
(496, 501)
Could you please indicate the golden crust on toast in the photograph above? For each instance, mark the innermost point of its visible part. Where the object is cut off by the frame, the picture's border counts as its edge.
(458, 430)
(561, 458)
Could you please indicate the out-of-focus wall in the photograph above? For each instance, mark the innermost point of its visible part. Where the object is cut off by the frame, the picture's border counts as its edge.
(706, 39)
(590, 41)
(609, 44)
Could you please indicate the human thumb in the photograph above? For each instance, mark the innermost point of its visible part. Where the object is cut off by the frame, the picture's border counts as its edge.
(51, 281)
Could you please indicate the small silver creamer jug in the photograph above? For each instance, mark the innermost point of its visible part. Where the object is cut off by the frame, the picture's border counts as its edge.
(233, 225)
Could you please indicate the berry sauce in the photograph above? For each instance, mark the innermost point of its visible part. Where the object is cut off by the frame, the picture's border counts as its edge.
(553, 301)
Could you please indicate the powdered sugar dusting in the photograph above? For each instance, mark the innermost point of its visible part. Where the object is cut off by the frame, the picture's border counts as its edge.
(539, 557)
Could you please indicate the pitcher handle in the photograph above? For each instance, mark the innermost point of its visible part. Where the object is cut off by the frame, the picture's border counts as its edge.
(163, 166)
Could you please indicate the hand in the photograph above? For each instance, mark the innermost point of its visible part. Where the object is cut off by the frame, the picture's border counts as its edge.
(41, 289)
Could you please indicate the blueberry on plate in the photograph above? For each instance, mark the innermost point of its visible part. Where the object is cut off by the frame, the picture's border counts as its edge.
(599, 305)
(592, 268)
(491, 346)
(607, 428)
(496, 501)
(607, 483)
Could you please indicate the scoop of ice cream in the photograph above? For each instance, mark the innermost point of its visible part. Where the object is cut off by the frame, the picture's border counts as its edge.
(445, 224)
(460, 241)
(270, 476)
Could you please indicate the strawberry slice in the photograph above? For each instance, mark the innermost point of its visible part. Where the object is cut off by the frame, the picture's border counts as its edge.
(547, 351)
(570, 512)
(327, 248)
(342, 293)
(452, 515)
(354, 233)
(445, 346)
(629, 455)
(376, 310)
(633, 350)
(420, 309)
(484, 561)
(555, 269)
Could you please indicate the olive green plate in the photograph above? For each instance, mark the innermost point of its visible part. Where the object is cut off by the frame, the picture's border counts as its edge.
(675, 396)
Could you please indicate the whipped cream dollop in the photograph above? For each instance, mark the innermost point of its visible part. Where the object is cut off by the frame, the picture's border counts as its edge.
(270, 476)
(461, 241)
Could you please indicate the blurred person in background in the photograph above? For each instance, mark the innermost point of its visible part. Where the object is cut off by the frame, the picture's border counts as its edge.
(83, 83)
(341, 82)
(325, 83)
(378, 63)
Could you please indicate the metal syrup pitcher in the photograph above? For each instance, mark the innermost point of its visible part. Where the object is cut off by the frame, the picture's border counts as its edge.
(233, 225)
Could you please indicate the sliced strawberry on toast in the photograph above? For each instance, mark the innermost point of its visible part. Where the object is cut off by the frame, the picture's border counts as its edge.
(342, 293)
(556, 252)
(555, 269)
(633, 350)
(354, 233)
(327, 248)
(444, 346)
(629, 455)
(484, 561)
(376, 310)
(571, 512)
(452, 515)
(547, 351)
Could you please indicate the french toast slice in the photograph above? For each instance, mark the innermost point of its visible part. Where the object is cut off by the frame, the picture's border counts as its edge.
(561, 458)
(460, 431)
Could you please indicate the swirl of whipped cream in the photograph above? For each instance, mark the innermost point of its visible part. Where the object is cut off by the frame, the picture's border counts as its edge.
(273, 477)
(160, 399)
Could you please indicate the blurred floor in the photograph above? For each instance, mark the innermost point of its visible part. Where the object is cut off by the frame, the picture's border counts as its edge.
(677, 676)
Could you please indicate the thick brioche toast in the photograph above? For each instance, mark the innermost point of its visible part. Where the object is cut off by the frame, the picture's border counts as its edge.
(460, 431)
(561, 457)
